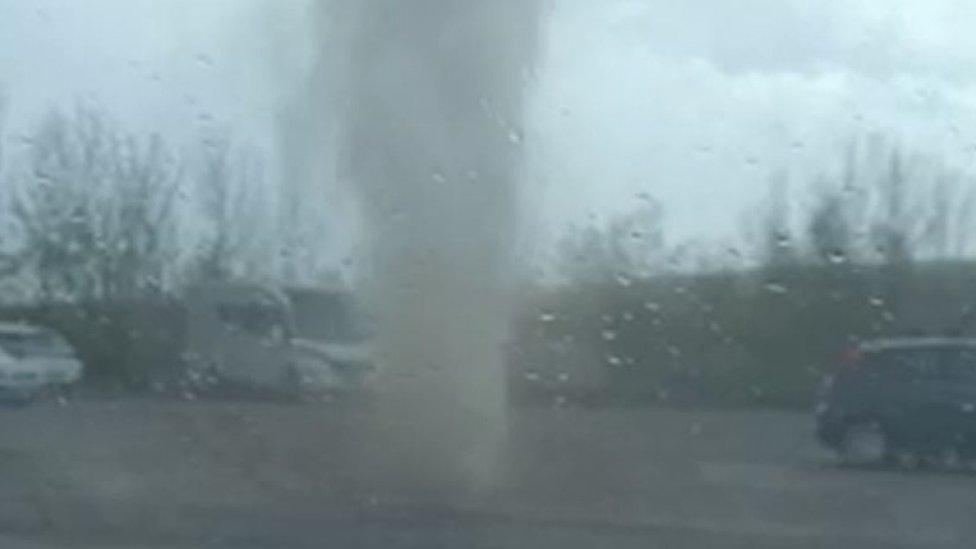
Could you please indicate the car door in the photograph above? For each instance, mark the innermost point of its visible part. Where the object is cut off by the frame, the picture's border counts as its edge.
(959, 394)
(909, 397)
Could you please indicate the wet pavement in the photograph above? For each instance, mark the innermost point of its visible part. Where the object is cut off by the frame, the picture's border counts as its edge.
(152, 473)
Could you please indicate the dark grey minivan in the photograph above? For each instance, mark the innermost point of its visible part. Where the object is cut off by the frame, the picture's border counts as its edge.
(907, 401)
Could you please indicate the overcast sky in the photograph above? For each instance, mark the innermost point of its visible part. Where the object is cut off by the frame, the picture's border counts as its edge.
(693, 102)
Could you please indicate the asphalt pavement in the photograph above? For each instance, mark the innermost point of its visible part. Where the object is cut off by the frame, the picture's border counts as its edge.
(156, 473)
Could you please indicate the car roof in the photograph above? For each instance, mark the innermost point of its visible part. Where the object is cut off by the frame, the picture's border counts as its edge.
(19, 328)
(902, 343)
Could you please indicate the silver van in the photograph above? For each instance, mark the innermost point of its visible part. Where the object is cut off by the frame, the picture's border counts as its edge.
(304, 341)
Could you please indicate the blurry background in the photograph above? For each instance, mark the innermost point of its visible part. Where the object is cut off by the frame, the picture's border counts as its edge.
(715, 198)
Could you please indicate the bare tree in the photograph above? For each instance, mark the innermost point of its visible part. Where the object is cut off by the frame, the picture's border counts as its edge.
(230, 189)
(963, 226)
(935, 236)
(829, 228)
(94, 209)
(583, 255)
(778, 242)
(636, 240)
(891, 228)
(8, 262)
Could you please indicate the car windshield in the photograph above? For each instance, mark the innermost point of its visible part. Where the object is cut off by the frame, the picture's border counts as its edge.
(329, 317)
(34, 345)
(487, 273)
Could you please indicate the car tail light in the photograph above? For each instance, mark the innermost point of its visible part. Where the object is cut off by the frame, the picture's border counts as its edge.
(851, 359)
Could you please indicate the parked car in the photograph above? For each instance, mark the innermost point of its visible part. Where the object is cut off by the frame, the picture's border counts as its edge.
(34, 359)
(907, 400)
(332, 341)
(304, 342)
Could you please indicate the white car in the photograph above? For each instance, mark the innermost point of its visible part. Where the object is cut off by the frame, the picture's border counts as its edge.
(33, 359)
(331, 367)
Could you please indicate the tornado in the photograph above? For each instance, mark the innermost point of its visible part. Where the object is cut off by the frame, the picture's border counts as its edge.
(425, 129)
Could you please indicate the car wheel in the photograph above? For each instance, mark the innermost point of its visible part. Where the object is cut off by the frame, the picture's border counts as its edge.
(293, 385)
(864, 443)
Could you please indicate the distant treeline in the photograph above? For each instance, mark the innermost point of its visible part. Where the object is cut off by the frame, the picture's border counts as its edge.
(760, 337)
(878, 247)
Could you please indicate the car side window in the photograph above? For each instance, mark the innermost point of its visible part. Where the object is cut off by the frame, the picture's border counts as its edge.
(961, 365)
(912, 364)
(14, 344)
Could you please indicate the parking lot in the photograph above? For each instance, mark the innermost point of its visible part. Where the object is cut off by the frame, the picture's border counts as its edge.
(158, 473)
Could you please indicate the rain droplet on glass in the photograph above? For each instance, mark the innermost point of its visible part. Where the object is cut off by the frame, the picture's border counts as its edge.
(775, 288)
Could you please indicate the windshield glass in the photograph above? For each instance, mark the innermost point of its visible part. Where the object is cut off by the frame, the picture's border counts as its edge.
(34, 345)
(487, 273)
(329, 317)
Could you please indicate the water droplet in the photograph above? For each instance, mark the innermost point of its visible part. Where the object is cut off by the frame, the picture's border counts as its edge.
(547, 317)
(439, 177)
(775, 288)
(783, 240)
(532, 376)
(652, 306)
(636, 235)
(613, 360)
(563, 377)
(515, 137)
(645, 196)
(609, 335)
(628, 316)
(752, 160)
(837, 257)
(876, 302)
(204, 60)
(624, 280)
